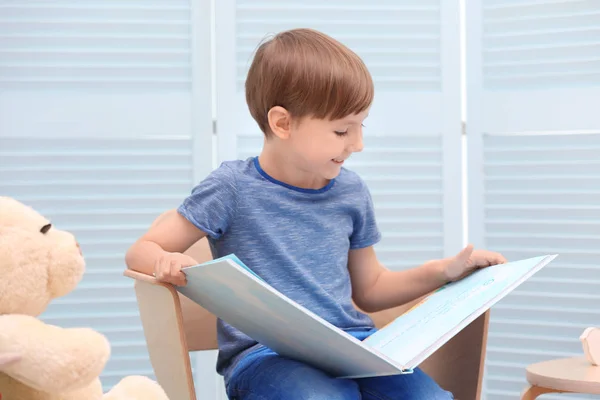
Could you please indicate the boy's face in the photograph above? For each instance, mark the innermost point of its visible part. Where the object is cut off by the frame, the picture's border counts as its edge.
(321, 146)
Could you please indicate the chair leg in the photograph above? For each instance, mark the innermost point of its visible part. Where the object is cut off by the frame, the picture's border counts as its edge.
(532, 392)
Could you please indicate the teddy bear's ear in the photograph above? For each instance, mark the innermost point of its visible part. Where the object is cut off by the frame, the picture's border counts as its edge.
(8, 358)
(13, 213)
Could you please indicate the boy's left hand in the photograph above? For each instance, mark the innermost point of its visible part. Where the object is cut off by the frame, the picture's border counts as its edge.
(467, 260)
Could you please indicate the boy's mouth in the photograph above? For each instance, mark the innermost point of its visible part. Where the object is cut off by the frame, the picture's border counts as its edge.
(337, 161)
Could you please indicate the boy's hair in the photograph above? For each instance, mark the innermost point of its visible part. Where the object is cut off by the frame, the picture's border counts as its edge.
(309, 74)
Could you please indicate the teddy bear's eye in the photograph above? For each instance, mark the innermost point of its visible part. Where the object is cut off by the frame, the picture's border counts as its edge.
(45, 228)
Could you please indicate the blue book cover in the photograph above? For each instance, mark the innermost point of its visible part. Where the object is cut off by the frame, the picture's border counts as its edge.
(233, 292)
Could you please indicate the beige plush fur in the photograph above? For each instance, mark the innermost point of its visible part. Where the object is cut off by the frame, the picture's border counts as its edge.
(39, 361)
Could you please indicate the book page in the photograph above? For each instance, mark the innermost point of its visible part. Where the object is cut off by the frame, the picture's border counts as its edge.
(410, 335)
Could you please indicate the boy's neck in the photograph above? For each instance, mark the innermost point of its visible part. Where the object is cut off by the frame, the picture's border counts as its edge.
(281, 167)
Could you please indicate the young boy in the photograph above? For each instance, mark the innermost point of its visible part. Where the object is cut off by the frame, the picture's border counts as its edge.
(302, 222)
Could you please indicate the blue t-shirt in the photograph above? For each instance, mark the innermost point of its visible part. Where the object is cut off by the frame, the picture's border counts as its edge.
(296, 239)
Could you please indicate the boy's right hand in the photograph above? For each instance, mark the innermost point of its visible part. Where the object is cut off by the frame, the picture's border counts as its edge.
(168, 268)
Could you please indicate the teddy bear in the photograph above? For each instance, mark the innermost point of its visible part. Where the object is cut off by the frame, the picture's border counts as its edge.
(38, 361)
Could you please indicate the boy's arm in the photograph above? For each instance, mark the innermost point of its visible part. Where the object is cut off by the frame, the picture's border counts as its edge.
(172, 233)
(376, 288)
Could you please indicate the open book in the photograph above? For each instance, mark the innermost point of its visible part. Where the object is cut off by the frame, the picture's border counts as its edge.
(231, 291)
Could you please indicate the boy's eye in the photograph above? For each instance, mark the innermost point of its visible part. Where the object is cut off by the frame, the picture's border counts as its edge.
(341, 133)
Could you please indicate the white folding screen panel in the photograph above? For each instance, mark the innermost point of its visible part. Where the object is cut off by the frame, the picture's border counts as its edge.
(533, 131)
(105, 122)
(412, 156)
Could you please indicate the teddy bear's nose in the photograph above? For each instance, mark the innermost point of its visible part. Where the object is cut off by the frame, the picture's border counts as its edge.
(79, 248)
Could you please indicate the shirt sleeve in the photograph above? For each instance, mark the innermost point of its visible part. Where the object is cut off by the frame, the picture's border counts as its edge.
(212, 205)
(365, 232)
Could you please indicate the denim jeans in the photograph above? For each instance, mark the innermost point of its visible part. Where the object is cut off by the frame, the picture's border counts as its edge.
(264, 375)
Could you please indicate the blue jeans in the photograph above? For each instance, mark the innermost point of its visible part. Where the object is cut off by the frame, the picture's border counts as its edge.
(264, 375)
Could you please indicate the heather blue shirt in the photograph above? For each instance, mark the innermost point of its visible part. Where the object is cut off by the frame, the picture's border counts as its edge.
(296, 239)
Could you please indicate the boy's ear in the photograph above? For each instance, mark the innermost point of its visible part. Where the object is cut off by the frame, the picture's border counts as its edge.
(280, 122)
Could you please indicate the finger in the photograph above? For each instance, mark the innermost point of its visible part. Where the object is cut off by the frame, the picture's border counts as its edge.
(496, 258)
(165, 270)
(155, 269)
(183, 278)
(177, 276)
(483, 259)
(190, 262)
(173, 272)
(180, 279)
(158, 270)
(463, 256)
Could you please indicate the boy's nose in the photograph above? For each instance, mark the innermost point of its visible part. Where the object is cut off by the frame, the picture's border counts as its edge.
(358, 145)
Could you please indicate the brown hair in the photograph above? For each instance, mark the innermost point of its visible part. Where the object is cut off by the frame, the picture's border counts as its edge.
(309, 74)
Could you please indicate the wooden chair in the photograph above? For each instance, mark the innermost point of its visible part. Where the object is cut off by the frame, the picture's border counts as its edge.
(174, 325)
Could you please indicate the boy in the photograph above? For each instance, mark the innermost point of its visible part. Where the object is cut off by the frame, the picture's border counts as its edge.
(301, 221)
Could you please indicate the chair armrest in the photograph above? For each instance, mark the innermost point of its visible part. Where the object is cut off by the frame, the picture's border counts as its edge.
(139, 276)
